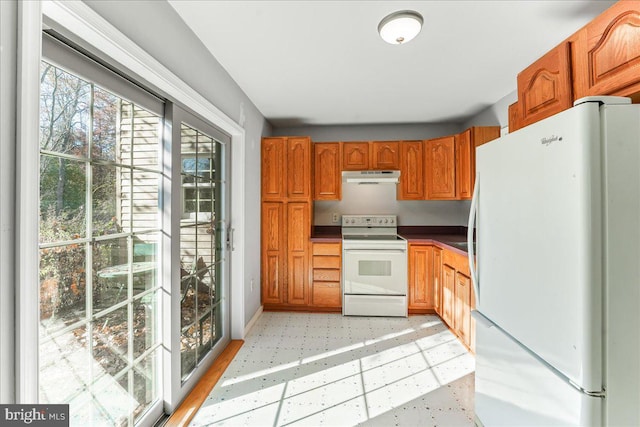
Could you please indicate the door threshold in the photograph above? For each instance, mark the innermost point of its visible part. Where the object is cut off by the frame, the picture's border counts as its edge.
(194, 400)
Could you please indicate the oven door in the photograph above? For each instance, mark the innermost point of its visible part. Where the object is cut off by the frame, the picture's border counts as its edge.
(375, 272)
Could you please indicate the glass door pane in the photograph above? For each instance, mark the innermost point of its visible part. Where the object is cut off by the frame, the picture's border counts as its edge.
(99, 342)
(202, 314)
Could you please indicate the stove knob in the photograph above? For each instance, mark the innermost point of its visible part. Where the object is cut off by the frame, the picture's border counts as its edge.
(392, 220)
(386, 221)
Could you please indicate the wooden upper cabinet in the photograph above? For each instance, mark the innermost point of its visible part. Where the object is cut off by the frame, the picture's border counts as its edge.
(273, 168)
(514, 117)
(544, 88)
(385, 155)
(464, 189)
(466, 143)
(440, 166)
(411, 185)
(606, 53)
(355, 156)
(327, 175)
(298, 171)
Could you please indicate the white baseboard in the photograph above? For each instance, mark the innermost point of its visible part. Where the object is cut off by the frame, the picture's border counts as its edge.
(253, 320)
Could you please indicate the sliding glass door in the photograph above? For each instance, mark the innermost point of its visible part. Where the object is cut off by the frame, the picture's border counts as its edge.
(202, 313)
(133, 244)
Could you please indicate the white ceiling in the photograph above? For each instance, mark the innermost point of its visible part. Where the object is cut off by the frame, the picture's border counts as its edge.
(323, 62)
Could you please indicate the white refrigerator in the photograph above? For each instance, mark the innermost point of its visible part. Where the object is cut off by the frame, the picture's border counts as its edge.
(556, 210)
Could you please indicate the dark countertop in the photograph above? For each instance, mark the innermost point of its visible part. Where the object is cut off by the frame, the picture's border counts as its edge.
(450, 237)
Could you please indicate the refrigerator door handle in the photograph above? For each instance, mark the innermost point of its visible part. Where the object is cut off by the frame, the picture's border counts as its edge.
(470, 231)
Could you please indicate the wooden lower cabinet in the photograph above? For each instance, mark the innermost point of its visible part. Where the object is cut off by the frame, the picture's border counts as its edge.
(437, 277)
(273, 252)
(326, 267)
(298, 217)
(448, 292)
(421, 279)
(461, 308)
(285, 254)
(457, 297)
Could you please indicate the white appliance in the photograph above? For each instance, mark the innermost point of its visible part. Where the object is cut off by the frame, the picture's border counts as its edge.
(371, 177)
(558, 270)
(374, 269)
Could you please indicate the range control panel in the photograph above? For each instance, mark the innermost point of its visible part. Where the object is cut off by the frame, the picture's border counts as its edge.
(369, 220)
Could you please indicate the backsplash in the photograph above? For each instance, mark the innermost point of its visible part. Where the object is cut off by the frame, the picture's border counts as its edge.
(381, 199)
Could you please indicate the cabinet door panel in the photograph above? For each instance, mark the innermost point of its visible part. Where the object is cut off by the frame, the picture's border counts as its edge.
(437, 279)
(440, 168)
(463, 165)
(328, 179)
(273, 168)
(385, 155)
(607, 53)
(273, 252)
(299, 168)
(462, 310)
(298, 229)
(355, 156)
(411, 171)
(448, 289)
(544, 88)
(420, 277)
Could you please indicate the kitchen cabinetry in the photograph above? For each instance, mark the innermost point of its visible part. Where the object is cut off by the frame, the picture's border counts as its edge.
(458, 297)
(355, 156)
(327, 173)
(411, 186)
(274, 156)
(437, 277)
(421, 278)
(606, 53)
(465, 146)
(326, 293)
(273, 252)
(602, 58)
(440, 168)
(514, 117)
(286, 221)
(544, 88)
(385, 155)
(448, 290)
(298, 233)
(371, 155)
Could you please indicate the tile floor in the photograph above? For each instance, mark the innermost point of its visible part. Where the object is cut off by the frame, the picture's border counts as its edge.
(325, 369)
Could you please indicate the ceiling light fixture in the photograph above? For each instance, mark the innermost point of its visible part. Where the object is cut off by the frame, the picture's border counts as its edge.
(400, 27)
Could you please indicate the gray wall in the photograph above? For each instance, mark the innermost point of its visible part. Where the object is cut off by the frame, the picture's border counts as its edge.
(495, 115)
(157, 28)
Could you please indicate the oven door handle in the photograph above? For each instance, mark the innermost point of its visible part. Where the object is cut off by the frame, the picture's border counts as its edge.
(375, 251)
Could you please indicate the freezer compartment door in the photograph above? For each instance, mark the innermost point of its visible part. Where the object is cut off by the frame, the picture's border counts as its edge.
(513, 388)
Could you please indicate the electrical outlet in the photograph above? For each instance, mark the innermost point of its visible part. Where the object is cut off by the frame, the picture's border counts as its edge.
(335, 217)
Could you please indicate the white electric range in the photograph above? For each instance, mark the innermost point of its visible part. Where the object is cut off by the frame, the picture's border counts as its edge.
(374, 266)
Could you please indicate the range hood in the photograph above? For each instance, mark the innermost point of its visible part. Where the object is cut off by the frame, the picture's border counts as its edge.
(370, 177)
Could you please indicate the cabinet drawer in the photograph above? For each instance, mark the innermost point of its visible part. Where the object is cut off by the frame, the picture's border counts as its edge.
(326, 294)
(326, 249)
(331, 262)
(325, 275)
